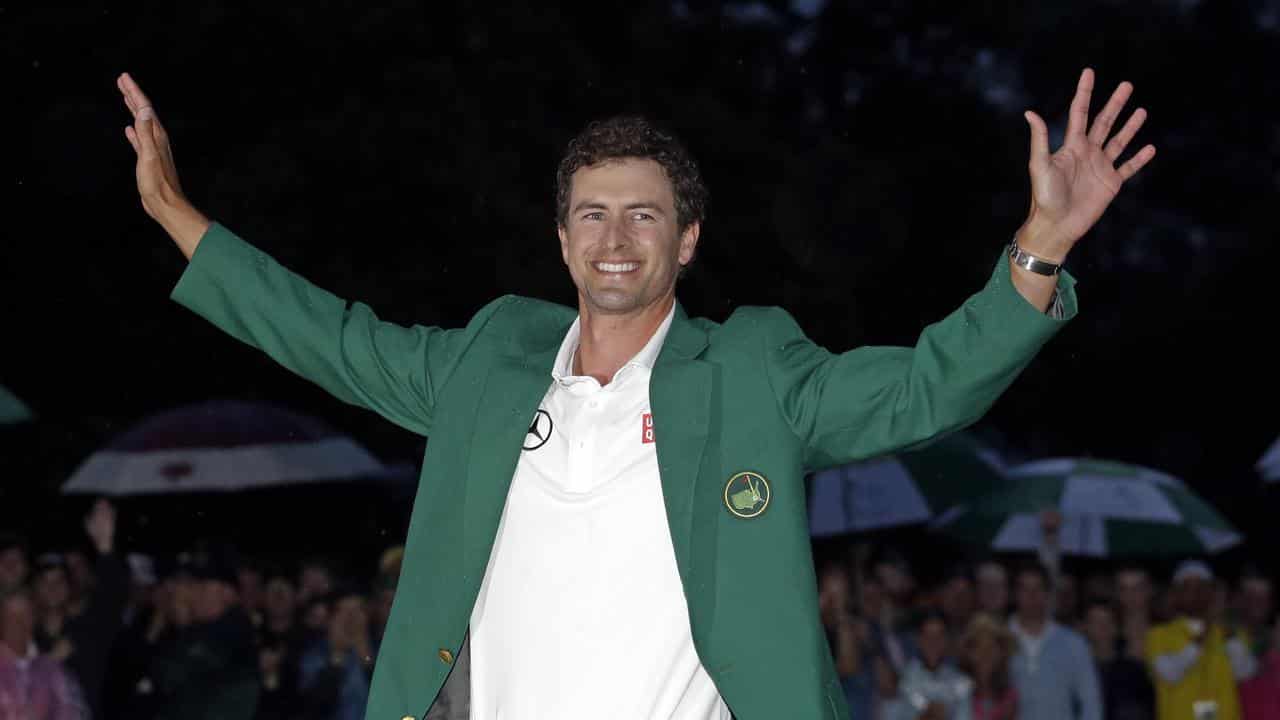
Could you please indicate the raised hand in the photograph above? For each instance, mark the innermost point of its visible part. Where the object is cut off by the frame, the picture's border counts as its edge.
(157, 175)
(1071, 188)
(100, 524)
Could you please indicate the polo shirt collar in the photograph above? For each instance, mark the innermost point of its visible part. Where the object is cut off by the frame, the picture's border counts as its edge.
(562, 370)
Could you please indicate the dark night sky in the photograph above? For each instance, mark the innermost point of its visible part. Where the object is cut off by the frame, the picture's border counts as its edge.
(404, 157)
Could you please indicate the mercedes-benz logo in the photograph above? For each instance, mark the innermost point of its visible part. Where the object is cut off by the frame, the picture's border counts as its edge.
(539, 430)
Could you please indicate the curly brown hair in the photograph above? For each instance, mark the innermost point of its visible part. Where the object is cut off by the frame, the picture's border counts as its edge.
(630, 136)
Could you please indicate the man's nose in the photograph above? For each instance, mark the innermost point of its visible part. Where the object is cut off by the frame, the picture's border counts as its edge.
(616, 235)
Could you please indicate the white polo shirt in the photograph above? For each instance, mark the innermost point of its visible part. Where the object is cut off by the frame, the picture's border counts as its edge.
(581, 613)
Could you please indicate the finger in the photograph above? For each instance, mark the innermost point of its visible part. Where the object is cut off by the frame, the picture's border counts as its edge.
(134, 96)
(146, 134)
(1039, 138)
(128, 101)
(132, 137)
(1122, 138)
(1136, 162)
(1102, 124)
(1079, 118)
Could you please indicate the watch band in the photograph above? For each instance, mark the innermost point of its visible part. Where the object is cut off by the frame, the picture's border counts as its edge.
(1027, 261)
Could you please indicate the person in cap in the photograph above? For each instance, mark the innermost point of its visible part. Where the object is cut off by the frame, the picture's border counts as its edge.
(208, 669)
(1194, 662)
(612, 505)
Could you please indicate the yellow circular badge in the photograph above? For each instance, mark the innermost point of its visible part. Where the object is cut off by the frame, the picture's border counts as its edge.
(746, 494)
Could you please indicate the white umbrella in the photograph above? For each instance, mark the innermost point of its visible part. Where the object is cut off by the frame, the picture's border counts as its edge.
(222, 446)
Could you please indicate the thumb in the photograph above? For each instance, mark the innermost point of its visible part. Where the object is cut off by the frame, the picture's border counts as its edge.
(1039, 139)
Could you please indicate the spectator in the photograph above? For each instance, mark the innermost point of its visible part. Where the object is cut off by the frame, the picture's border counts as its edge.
(835, 607)
(1254, 606)
(1194, 663)
(208, 668)
(993, 589)
(335, 672)
(280, 642)
(956, 600)
(249, 584)
(1133, 592)
(985, 649)
(931, 688)
(1126, 689)
(1066, 606)
(79, 632)
(315, 579)
(13, 562)
(1260, 694)
(895, 577)
(1052, 671)
(32, 686)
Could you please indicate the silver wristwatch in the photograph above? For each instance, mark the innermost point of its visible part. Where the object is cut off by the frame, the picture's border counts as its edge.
(1027, 261)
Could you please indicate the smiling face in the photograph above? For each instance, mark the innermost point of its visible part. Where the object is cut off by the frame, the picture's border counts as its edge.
(621, 237)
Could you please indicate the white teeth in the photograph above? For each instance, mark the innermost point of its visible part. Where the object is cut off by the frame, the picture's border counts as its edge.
(616, 267)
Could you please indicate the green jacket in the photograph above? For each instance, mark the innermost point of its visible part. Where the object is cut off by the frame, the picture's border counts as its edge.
(751, 394)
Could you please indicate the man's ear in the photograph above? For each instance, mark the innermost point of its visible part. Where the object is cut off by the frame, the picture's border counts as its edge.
(564, 242)
(689, 242)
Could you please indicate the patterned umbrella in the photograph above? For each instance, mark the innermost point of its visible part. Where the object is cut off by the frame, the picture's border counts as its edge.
(12, 410)
(903, 489)
(1108, 509)
(222, 446)
(1269, 465)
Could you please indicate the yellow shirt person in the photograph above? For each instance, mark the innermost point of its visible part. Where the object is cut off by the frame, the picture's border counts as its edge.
(1194, 665)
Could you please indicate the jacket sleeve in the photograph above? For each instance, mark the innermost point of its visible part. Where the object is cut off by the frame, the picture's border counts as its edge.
(342, 346)
(876, 400)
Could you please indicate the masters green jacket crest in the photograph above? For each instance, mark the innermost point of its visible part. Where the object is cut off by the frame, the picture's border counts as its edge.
(740, 410)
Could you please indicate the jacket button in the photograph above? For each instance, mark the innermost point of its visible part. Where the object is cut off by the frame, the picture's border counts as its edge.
(408, 717)
(446, 656)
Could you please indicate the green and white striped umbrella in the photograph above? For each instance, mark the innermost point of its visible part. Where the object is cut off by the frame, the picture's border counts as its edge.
(12, 410)
(1108, 509)
(903, 489)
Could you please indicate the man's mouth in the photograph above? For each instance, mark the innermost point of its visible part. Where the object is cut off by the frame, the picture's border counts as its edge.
(615, 267)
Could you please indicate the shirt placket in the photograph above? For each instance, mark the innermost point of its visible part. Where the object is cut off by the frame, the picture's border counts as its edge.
(582, 449)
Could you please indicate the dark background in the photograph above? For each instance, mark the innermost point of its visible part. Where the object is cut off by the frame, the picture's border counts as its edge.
(867, 162)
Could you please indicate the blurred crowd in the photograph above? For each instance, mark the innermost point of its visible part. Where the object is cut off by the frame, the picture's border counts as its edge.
(86, 632)
(89, 632)
(999, 639)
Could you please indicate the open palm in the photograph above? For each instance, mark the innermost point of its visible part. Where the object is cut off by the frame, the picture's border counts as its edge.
(1071, 188)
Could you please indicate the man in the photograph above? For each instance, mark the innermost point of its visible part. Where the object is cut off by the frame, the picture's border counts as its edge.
(334, 674)
(1255, 605)
(931, 688)
(1194, 663)
(1126, 687)
(13, 561)
(1052, 670)
(208, 668)
(32, 686)
(956, 600)
(80, 634)
(993, 589)
(612, 501)
(1133, 595)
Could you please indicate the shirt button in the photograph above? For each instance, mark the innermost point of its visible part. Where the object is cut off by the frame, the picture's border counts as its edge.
(446, 656)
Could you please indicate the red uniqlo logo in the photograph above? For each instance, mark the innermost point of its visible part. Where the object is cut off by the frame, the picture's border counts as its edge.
(648, 428)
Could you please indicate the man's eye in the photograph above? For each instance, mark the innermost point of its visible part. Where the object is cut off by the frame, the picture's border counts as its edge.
(593, 216)
(642, 216)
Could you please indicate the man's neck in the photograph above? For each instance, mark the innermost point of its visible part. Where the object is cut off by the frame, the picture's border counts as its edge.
(607, 341)
(1103, 652)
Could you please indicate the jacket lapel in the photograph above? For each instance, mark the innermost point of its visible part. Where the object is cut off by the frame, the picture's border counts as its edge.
(681, 391)
(512, 391)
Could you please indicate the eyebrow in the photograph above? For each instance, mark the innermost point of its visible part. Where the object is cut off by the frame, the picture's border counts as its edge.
(597, 205)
